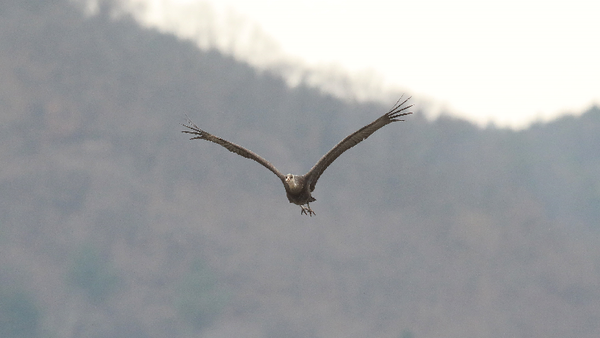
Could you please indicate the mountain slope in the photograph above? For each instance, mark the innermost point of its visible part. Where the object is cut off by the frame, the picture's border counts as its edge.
(112, 223)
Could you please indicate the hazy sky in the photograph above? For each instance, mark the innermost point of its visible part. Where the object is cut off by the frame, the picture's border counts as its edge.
(507, 61)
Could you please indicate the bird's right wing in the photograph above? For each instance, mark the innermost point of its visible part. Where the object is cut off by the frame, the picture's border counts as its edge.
(353, 139)
(200, 134)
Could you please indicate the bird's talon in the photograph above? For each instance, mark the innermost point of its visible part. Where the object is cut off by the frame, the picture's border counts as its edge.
(307, 211)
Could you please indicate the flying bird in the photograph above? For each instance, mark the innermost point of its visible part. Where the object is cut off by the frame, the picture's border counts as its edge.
(299, 187)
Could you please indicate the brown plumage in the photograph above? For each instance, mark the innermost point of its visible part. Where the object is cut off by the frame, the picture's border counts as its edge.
(299, 187)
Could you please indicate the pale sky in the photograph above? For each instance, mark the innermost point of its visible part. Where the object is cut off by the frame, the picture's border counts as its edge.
(510, 62)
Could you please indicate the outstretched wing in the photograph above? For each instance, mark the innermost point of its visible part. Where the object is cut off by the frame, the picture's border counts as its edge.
(234, 148)
(353, 139)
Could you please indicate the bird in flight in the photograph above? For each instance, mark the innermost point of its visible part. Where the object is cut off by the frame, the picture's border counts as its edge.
(299, 187)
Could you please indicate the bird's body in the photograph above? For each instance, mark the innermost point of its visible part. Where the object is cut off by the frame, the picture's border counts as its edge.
(299, 187)
(298, 192)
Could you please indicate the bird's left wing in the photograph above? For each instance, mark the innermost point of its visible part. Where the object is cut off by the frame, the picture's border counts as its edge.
(353, 139)
(234, 148)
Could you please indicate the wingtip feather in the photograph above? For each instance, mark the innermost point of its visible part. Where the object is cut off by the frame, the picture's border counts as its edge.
(194, 129)
(397, 110)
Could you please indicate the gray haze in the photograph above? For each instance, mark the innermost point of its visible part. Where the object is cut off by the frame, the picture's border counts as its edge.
(113, 224)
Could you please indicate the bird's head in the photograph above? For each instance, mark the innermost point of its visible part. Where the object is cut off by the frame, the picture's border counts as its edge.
(293, 182)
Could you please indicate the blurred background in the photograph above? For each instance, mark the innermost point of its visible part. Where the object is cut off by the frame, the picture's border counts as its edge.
(453, 223)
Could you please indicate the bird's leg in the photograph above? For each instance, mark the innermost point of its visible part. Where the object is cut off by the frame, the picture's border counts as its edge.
(310, 211)
(306, 210)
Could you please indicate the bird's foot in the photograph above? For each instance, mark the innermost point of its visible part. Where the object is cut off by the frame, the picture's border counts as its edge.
(306, 210)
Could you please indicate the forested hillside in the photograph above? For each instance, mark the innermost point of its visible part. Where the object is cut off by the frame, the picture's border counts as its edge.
(113, 224)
